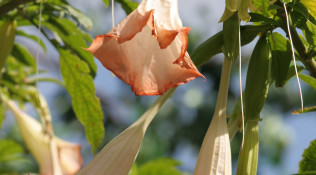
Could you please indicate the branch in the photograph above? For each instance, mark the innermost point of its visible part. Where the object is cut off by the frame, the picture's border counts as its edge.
(12, 5)
(306, 57)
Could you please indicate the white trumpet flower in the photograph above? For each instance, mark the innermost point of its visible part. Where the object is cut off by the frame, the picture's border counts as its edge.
(68, 160)
(215, 154)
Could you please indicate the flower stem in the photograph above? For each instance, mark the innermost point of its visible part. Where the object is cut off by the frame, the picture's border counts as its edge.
(223, 88)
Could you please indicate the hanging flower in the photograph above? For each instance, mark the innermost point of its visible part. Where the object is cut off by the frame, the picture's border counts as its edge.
(215, 153)
(69, 159)
(147, 50)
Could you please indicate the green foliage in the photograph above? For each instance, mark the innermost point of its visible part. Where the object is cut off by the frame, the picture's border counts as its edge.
(32, 37)
(214, 45)
(23, 55)
(71, 38)
(161, 166)
(308, 80)
(12, 157)
(311, 6)
(308, 163)
(106, 2)
(79, 85)
(78, 16)
(207, 49)
(1, 114)
(281, 58)
(128, 5)
(7, 35)
(257, 82)
(9, 150)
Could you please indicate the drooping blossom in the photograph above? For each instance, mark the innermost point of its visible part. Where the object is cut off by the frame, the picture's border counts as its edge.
(215, 155)
(69, 159)
(118, 156)
(147, 49)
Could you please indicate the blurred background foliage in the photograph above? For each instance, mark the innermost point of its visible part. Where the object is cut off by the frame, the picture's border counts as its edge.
(181, 124)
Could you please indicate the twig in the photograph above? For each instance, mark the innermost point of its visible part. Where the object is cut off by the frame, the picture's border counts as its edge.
(12, 5)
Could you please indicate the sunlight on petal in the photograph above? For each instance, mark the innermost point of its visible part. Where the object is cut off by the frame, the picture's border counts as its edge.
(215, 154)
(147, 49)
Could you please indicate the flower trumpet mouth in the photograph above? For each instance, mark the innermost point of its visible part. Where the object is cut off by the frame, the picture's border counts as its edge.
(69, 159)
(148, 49)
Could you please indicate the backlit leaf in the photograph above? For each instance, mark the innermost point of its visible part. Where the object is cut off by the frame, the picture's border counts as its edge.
(23, 55)
(7, 35)
(308, 80)
(10, 150)
(207, 49)
(311, 6)
(32, 37)
(86, 105)
(281, 58)
(163, 166)
(308, 163)
(106, 2)
(1, 115)
(72, 38)
(128, 5)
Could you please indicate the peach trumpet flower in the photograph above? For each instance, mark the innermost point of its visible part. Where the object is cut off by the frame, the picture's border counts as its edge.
(69, 159)
(147, 49)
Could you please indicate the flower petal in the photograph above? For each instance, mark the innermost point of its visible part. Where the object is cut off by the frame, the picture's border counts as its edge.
(147, 50)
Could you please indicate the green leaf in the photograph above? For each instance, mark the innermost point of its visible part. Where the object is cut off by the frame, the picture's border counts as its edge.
(32, 37)
(205, 51)
(162, 166)
(2, 116)
(307, 173)
(255, 17)
(86, 105)
(257, 82)
(128, 5)
(249, 32)
(212, 46)
(262, 6)
(106, 2)
(291, 72)
(281, 58)
(72, 38)
(308, 163)
(78, 16)
(310, 33)
(308, 80)
(10, 150)
(311, 6)
(23, 55)
(134, 170)
(7, 35)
